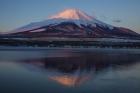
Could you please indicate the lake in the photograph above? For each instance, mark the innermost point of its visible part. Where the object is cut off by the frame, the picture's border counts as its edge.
(69, 71)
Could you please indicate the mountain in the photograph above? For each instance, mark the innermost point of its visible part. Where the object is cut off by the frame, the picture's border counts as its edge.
(72, 23)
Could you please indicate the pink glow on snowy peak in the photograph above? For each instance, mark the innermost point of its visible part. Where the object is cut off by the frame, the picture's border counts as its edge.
(74, 14)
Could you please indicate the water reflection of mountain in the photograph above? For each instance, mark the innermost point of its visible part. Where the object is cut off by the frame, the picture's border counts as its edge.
(73, 71)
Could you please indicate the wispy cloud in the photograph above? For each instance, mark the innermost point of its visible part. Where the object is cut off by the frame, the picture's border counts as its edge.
(117, 20)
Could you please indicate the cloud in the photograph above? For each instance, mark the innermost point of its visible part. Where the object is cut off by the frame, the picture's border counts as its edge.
(117, 20)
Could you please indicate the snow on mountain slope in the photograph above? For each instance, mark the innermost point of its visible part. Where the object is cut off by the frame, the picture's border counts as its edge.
(69, 15)
(72, 14)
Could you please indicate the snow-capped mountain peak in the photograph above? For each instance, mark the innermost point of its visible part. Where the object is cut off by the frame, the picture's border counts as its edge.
(68, 15)
(73, 14)
(71, 20)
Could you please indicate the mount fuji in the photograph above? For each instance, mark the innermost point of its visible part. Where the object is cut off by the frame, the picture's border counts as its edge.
(72, 23)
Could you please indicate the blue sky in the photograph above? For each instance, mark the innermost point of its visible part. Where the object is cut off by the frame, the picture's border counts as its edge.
(17, 13)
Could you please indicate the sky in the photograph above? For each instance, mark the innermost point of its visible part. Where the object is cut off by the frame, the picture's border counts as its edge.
(17, 13)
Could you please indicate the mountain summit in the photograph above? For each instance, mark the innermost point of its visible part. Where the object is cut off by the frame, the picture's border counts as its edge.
(72, 23)
(73, 14)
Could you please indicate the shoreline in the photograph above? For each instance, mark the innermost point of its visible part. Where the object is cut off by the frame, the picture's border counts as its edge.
(108, 49)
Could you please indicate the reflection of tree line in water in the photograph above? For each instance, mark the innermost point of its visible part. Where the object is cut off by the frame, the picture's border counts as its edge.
(85, 62)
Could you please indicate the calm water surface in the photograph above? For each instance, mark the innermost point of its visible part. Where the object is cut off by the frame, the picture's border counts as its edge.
(69, 71)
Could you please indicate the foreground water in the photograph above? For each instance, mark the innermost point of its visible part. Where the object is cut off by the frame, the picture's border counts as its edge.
(69, 71)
